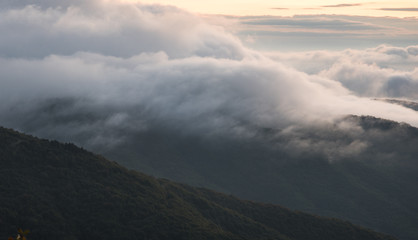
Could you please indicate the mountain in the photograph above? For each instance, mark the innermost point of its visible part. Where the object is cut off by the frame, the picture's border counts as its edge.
(366, 174)
(358, 168)
(406, 103)
(61, 191)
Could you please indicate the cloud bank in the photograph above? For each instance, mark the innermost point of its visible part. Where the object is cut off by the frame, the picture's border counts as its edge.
(381, 72)
(110, 28)
(95, 73)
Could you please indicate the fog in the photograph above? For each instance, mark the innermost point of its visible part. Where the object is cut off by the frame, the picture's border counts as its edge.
(95, 73)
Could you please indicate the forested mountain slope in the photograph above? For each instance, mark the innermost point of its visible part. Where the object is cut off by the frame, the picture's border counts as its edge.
(61, 191)
(362, 169)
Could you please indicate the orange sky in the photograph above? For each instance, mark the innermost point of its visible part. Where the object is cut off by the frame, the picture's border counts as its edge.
(405, 8)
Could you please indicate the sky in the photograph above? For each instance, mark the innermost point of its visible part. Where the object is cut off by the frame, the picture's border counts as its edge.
(93, 72)
(405, 8)
(323, 32)
(311, 25)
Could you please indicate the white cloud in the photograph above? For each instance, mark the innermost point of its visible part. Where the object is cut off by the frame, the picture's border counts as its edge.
(102, 71)
(384, 71)
(113, 29)
(372, 81)
(383, 56)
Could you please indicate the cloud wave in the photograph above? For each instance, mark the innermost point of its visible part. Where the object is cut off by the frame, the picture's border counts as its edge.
(93, 73)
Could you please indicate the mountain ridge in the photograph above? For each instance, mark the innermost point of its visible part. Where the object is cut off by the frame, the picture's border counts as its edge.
(361, 173)
(60, 190)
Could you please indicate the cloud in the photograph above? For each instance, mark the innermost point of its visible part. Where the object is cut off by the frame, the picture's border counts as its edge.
(384, 57)
(340, 140)
(332, 32)
(100, 73)
(343, 5)
(312, 23)
(113, 29)
(372, 81)
(399, 9)
(383, 71)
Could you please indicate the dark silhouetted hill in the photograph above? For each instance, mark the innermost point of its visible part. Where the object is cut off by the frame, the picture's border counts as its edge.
(366, 174)
(60, 191)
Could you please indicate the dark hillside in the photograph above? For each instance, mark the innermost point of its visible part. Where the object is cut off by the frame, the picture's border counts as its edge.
(366, 175)
(61, 191)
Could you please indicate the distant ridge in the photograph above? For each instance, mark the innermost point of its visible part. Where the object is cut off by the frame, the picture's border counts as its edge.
(361, 169)
(61, 191)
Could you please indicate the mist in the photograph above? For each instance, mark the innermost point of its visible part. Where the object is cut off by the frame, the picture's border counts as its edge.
(96, 73)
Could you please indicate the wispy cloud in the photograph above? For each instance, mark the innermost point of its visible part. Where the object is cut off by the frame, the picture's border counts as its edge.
(343, 5)
(400, 9)
(337, 32)
(313, 23)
